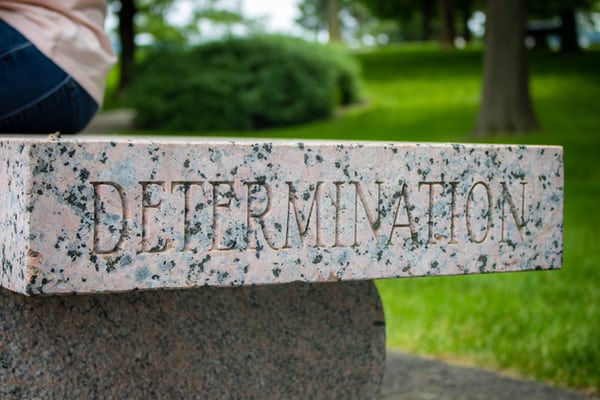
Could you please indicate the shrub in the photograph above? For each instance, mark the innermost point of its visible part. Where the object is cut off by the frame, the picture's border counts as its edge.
(243, 83)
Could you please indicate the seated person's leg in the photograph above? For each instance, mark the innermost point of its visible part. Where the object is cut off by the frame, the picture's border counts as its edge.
(36, 96)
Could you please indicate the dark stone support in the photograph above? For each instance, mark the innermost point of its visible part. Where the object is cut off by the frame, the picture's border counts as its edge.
(281, 341)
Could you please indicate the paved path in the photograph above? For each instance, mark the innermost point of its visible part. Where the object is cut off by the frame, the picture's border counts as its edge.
(413, 378)
(110, 122)
(408, 377)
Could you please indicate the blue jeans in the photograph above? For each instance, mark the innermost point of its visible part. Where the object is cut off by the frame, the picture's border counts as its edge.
(37, 96)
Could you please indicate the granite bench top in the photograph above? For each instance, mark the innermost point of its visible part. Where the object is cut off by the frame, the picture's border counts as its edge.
(88, 215)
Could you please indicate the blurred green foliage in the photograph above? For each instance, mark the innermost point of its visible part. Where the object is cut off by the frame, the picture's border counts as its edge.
(242, 84)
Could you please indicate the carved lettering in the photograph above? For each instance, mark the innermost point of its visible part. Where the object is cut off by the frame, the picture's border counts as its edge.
(487, 215)
(338, 213)
(410, 224)
(453, 240)
(430, 237)
(112, 240)
(295, 214)
(257, 218)
(519, 221)
(374, 222)
(255, 215)
(221, 200)
(147, 204)
(187, 207)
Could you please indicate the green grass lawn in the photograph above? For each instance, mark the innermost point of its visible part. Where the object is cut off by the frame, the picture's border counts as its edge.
(541, 325)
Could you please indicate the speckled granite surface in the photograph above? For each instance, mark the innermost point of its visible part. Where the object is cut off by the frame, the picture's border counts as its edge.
(294, 341)
(100, 215)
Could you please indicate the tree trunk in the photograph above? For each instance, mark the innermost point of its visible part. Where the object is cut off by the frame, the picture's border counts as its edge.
(568, 31)
(426, 16)
(466, 8)
(333, 21)
(127, 38)
(505, 104)
(447, 23)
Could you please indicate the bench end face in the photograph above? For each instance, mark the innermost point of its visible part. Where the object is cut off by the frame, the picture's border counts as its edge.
(15, 196)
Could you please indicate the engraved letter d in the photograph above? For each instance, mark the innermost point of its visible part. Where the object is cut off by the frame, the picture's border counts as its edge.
(109, 217)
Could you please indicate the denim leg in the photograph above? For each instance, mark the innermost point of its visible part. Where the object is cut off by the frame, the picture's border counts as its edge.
(67, 109)
(36, 96)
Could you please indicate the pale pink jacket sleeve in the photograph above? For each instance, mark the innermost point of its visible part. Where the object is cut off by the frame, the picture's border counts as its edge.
(70, 33)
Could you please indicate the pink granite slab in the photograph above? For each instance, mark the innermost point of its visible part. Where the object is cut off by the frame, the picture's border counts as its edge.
(104, 215)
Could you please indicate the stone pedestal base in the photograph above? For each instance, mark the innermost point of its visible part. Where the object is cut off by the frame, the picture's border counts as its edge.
(281, 342)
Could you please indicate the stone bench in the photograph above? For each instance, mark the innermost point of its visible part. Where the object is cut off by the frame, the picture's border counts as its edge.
(249, 227)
